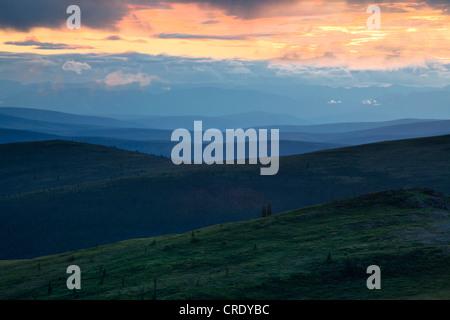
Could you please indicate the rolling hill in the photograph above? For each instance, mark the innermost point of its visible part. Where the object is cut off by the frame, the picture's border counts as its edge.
(18, 123)
(151, 134)
(52, 188)
(66, 118)
(380, 133)
(43, 165)
(344, 126)
(318, 252)
(241, 120)
(164, 147)
(153, 147)
(11, 136)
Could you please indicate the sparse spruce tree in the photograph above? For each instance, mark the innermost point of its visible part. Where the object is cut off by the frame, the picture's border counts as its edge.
(263, 213)
(143, 292)
(269, 210)
(102, 277)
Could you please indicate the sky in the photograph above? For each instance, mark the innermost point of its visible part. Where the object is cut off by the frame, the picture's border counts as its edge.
(323, 32)
(311, 39)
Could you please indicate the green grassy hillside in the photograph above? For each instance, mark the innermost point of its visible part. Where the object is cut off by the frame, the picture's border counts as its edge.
(318, 252)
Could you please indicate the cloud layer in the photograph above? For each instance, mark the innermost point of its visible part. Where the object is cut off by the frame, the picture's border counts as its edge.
(25, 14)
(105, 14)
(74, 66)
(170, 71)
(120, 78)
(31, 41)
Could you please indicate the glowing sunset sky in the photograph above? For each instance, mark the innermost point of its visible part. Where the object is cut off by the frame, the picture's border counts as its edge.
(317, 32)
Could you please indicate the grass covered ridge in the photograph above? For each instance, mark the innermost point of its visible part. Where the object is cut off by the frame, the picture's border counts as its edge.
(318, 252)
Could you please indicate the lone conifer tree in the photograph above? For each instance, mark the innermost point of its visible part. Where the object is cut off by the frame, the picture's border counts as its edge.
(193, 239)
(269, 210)
(263, 213)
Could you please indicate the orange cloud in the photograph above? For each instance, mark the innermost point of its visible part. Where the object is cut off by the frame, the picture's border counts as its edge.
(322, 33)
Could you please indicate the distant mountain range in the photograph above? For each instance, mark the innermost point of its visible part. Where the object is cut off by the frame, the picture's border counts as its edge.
(240, 120)
(137, 134)
(316, 104)
(343, 126)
